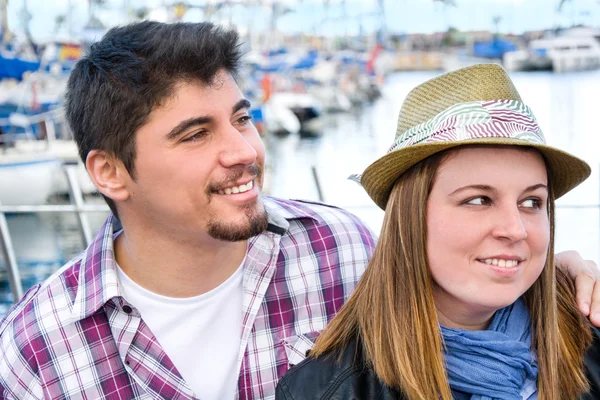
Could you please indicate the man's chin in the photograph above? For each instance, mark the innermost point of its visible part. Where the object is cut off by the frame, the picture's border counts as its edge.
(253, 223)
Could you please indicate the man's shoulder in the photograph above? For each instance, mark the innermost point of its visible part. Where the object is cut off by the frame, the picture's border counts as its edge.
(51, 299)
(302, 207)
(305, 212)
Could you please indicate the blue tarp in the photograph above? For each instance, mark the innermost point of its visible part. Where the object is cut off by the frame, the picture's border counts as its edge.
(277, 52)
(493, 49)
(14, 67)
(286, 63)
(306, 62)
(273, 67)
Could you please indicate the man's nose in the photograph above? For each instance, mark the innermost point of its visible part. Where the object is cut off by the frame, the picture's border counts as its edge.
(236, 149)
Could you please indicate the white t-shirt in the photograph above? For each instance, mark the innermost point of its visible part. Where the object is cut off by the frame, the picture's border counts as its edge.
(201, 334)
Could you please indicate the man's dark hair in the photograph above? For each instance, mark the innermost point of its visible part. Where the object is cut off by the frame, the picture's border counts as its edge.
(133, 69)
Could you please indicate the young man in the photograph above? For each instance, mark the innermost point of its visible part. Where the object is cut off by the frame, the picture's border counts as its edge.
(202, 288)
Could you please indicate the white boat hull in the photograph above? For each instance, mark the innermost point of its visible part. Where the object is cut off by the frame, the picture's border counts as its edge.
(577, 49)
(65, 151)
(279, 119)
(27, 182)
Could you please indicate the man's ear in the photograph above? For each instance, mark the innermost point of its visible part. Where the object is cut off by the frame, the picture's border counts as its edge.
(109, 175)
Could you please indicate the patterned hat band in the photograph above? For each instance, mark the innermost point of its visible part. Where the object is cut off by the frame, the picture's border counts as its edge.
(509, 119)
(475, 120)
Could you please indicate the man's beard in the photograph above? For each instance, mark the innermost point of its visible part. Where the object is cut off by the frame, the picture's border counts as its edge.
(256, 219)
(257, 222)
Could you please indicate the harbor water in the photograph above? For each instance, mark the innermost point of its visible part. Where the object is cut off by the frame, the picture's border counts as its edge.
(566, 106)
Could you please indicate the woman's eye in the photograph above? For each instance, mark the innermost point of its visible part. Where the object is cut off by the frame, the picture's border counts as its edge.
(479, 201)
(532, 203)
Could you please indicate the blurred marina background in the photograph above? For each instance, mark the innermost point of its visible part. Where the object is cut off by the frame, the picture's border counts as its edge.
(326, 80)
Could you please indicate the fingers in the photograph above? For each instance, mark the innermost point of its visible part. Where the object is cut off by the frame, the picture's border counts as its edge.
(585, 283)
(572, 262)
(595, 297)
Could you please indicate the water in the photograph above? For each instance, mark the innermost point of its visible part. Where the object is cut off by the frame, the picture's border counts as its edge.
(43, 243)
(565, 106)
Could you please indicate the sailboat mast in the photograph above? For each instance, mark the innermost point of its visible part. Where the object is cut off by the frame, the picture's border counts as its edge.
(4, 21)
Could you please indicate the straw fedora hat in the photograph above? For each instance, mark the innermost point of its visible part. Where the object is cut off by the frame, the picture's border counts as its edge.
(474, 105)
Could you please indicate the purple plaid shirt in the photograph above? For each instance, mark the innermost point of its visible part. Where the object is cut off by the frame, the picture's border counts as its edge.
(75, 337)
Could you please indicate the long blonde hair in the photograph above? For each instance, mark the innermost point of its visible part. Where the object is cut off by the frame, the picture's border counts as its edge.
(393, 313)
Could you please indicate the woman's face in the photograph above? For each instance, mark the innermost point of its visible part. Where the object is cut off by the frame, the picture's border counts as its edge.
(488, 231)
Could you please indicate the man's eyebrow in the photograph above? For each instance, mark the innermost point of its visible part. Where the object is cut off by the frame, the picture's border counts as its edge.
(186, 124)
(488, 188)
(243, 103)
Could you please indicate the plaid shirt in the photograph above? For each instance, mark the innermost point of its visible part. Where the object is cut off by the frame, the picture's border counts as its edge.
(75, 337)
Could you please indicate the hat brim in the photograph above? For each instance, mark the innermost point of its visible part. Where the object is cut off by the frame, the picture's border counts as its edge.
(566, 171)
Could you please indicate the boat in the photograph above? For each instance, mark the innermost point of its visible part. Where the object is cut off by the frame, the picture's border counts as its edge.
(279, 119)
(35, 141)
(284, 91)
(32, 166)
(64, 151)
(305, 108)
(576, 49)
(26, 180)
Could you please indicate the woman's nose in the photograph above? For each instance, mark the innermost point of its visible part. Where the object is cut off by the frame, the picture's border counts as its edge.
(509, 224)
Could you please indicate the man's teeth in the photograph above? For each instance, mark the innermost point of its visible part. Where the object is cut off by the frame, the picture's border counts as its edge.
(237, 189)
(501, 263)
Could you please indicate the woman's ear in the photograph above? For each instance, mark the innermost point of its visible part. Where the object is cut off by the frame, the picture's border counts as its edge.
(109, 175)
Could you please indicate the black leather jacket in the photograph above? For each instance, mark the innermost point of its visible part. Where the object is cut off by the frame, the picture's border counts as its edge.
(349, 378)
(332, 378)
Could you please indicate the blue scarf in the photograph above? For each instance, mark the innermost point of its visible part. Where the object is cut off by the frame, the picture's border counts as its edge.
(495, 363)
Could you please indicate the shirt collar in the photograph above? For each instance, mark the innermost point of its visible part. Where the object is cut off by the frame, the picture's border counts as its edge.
(281, 211)
(98, 278)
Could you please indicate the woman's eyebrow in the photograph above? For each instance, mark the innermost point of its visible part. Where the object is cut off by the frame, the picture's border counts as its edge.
(486, 188)
(535, 187)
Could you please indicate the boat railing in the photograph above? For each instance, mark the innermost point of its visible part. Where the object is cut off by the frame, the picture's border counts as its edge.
(48, 121)
(9, 139)
(77, 206)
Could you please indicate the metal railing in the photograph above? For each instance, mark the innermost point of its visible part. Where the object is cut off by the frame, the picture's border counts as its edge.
(47, 121)
(77, 206)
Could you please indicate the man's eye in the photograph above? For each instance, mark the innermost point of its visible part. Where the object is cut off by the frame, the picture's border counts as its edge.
(244, 119)
(478, 201)
(195, 136)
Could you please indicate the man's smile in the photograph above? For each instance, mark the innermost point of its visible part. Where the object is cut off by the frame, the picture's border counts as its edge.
(244, 187)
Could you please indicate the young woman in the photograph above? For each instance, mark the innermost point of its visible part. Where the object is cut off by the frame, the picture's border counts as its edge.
(461, 298)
